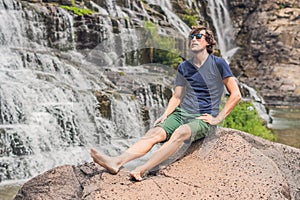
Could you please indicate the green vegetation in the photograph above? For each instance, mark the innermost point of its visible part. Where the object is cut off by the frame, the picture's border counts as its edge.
(190, 17)
(245, 118)
(164, 48)
(78, 11)
(190, 20)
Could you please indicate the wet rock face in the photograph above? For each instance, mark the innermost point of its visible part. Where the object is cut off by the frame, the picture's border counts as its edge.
(227, 165)
(268, 34)
(149, 90)
(104, 104)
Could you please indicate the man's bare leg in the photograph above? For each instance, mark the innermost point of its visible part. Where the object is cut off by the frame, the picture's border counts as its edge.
(140, 148)
(169, 148)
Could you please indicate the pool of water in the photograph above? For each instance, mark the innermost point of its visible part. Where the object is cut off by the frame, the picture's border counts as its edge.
(9, 190)
(286, 125)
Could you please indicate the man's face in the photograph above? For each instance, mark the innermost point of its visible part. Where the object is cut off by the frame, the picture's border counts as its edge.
(198, 42)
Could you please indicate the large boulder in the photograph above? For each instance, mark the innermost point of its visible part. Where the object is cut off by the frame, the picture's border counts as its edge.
(226, 165)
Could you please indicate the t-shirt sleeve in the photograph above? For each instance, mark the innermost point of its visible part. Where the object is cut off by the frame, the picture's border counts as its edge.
(179, 79)
(224, 68)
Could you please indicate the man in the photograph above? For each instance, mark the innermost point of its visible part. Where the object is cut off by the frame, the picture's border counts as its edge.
(192, 110)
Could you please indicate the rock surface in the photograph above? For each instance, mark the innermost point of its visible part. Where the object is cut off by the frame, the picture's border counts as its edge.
(268, 34)
(226, 165)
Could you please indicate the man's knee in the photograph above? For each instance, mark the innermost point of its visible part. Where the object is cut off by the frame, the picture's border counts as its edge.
(156, 135)
(182, 133)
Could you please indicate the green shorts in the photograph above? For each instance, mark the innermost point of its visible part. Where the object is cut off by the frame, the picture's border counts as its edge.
(180, 117)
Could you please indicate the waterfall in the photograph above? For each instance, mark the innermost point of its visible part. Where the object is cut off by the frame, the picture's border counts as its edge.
(49, 111)
(224, 29)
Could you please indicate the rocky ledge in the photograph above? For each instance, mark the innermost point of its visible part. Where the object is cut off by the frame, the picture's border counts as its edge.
(227, 165)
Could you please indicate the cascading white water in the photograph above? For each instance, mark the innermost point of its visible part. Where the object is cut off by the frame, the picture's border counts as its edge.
(172, 18)
(224, 29)
(49, 114)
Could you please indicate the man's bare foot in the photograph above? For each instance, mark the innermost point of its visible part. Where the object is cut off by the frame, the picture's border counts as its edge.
(105, 161)
(136, 175)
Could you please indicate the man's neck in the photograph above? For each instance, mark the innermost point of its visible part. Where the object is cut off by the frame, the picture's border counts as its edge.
(199, 58)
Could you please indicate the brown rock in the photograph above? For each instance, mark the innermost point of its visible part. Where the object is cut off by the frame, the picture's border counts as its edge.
(227, 165)
(60, 182)
(267, 33)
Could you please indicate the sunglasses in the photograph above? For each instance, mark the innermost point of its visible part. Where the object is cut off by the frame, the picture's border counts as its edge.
(198, 36)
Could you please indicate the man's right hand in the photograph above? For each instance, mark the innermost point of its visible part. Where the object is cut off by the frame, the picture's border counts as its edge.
(160, 119)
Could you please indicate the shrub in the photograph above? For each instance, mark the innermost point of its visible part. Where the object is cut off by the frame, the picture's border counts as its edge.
(190, 20)
(244, 117)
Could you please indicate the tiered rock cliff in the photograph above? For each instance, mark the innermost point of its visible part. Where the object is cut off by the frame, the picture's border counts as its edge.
(267, 35)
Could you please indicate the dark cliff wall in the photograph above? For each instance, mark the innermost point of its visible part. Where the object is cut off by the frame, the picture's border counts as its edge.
(268, 34)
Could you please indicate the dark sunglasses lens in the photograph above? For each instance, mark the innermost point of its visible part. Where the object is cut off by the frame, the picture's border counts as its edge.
(198, 36)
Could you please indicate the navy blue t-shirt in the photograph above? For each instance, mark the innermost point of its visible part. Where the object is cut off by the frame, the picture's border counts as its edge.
(204, 86)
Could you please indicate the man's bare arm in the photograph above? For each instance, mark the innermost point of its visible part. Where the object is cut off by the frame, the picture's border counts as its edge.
(234, 97)
(173, 103)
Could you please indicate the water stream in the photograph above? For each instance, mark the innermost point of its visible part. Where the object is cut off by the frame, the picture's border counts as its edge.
(172, 18)
(224, 29)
